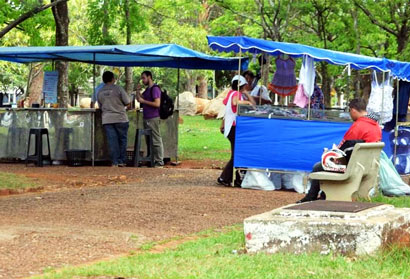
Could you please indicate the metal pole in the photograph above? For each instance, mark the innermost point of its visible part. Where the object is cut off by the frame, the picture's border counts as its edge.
(177, 120)
(237, 110)
(382, 110)
(178, 77)
(93, 120)
(28, 80)
(214, 85)
(396, 127)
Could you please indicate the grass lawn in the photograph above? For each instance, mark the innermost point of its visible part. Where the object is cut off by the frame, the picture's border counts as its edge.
(219, 255)
(15, 181)
(200, 139)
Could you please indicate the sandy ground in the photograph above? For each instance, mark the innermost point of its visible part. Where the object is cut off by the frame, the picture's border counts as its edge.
(85, 214)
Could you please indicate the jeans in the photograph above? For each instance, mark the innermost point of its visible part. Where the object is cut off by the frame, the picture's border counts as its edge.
(158, 149)
(227, 173)
(314, 184)
(117, 134)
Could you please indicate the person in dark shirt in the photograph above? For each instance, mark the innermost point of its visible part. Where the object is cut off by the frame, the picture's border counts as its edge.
(151, 101)
(365, 127)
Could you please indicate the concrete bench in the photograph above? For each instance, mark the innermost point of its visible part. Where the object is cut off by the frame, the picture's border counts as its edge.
(359, 178)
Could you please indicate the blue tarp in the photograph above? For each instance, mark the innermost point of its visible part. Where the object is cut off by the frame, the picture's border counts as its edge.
(154, 55)
(400, 70)
(285, 144)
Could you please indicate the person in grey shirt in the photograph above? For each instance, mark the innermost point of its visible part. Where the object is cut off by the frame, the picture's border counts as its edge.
(112, 100)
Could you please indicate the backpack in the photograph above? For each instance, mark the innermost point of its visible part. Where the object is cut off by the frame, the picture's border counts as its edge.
(166, 108)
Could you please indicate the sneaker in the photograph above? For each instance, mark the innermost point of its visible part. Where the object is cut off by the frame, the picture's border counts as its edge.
(222, 182)
(306, 199)
(122, 165)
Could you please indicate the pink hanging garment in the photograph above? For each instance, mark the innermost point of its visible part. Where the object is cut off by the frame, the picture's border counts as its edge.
(301, 100)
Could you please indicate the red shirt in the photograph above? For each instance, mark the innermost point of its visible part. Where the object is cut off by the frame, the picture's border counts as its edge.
(365, 129)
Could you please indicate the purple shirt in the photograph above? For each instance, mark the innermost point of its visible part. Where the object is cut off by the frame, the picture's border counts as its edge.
(150, 94)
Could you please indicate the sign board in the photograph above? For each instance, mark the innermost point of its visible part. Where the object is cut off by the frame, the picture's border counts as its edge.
(50, 87)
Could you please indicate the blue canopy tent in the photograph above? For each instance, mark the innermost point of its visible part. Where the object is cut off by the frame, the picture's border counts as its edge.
(399, 70)
(153, 55)
(298, 146)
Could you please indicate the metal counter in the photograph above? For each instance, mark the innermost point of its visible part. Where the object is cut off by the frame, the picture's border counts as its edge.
(73, 129)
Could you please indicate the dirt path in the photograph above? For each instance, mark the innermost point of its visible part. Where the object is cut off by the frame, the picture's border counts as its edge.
(95, 213)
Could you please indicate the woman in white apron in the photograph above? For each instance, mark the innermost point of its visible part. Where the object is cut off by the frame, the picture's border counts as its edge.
(234, 97)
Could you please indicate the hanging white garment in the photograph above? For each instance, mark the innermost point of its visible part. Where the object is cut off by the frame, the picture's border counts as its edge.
(307, 75)
(230, 116)
(381, 99)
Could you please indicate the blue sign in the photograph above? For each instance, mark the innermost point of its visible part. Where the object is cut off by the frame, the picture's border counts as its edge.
(50, 87)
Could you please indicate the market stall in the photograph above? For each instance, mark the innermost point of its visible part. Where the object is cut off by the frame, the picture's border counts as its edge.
(81, 128)
(292, 139)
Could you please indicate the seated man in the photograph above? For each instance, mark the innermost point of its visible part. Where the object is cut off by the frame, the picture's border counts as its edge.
(365, 127)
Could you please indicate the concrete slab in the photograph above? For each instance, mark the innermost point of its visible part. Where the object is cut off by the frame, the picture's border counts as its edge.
(305, 231)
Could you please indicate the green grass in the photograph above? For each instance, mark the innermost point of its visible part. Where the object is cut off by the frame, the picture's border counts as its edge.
(201, 139)
(15, 181)
(214, 257)
(403, 201)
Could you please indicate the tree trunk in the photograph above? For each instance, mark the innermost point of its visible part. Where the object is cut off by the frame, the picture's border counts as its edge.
(203, 87)
(60, 13)
(326, 84)
(35, 88)
(191, 82)
(128, 70)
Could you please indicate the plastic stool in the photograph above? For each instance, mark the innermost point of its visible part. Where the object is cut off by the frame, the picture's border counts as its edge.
(137, 147)
(38, 156)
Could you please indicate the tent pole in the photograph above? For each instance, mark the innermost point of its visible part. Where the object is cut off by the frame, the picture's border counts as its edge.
(93, 120)
(214, 85)
(28, 80)
(177, 125)
(178, 77)
(381, 113)
(309, 98)
(396, 127)
(237, 110)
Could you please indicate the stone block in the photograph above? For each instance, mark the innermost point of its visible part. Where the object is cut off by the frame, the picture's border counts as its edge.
(348, 233)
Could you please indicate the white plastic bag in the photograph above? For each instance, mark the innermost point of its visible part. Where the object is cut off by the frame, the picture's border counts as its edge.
(258, 181)
(293, 181)
(276, 179)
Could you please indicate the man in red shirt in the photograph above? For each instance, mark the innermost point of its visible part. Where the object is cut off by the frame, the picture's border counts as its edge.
(365, 127)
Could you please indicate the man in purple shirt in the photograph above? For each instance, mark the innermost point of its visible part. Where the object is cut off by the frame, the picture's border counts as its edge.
(150, 101)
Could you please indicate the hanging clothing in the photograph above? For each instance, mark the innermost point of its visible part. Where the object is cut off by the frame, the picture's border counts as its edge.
(404, 96)
(301, 100)
(306, 82)
(317, 100)
(230, 111)
(284, 79)
(381, 98)
(307, 75)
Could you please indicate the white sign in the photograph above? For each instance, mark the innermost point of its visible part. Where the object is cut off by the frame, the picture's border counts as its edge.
(50, 87)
